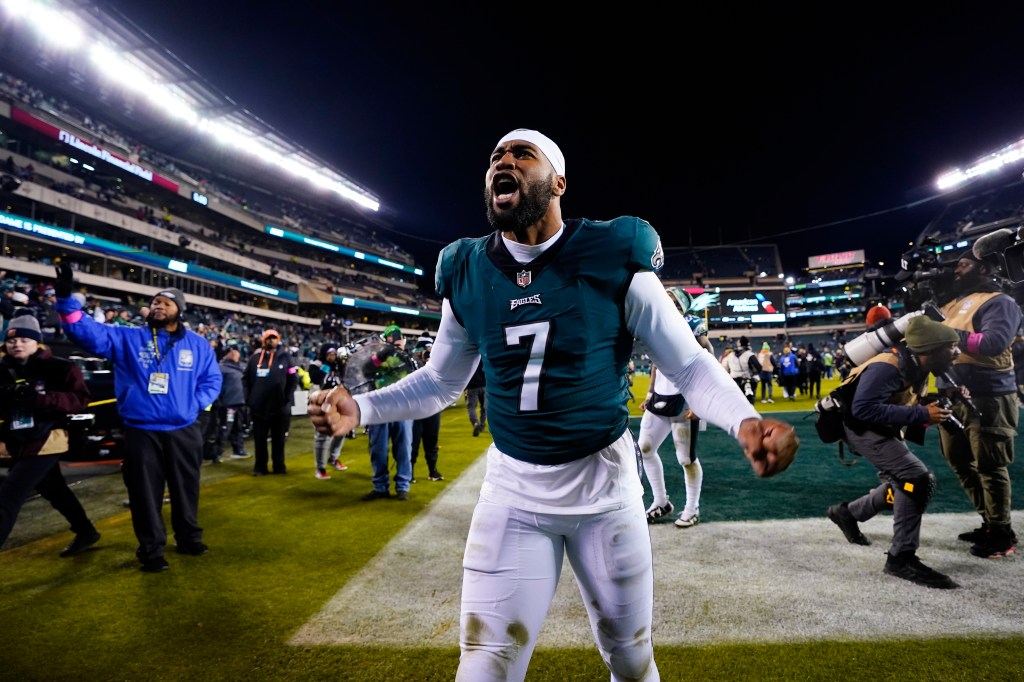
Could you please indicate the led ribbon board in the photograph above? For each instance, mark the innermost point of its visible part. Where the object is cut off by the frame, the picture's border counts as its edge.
(91, 149)
(337, 248)
(17, 224)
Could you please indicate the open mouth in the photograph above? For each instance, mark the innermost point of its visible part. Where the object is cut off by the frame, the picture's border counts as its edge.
(504, 187)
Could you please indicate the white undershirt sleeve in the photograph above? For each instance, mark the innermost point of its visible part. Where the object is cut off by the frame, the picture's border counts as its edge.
(709, 391)
(430, 389)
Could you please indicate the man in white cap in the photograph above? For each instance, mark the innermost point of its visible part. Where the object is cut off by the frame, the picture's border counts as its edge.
(551, 308)
(164, 376)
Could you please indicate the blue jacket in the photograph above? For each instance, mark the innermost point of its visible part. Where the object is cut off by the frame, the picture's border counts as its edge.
(193, 377)
(788, 364)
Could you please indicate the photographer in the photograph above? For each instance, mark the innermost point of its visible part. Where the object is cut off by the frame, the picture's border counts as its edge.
(37, 392)
(870, 408)
(986, 322)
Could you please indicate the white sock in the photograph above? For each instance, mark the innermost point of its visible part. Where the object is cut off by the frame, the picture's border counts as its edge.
(693, 473)
(655, 473)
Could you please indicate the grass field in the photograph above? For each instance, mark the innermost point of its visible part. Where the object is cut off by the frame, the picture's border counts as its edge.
(306, 582)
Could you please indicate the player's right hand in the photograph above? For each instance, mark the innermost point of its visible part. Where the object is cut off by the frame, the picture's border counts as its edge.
(333, 412)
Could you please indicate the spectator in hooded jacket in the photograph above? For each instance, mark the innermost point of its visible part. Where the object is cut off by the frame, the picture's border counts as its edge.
(164, 376)
(270, 381)
(231, 411)
(37, 391)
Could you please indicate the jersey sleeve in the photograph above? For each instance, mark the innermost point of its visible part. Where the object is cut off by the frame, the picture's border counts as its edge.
(647, 251)
(445, 269)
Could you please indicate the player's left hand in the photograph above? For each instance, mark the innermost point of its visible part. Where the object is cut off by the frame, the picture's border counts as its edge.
(769, 444)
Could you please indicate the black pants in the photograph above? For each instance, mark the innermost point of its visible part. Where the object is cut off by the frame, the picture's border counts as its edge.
(814, 384)
(209, 422)
(156, 459)
(42, 474)
(426, 430)
(275, 425)
(232, 428)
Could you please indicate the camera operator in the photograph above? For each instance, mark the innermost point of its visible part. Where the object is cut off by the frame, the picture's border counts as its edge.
(986, 320)
(878, 399)
(37, 392)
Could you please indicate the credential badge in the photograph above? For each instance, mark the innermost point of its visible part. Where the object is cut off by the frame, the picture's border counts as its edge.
(524, 278)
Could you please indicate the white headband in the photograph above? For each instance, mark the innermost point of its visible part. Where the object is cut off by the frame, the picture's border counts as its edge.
(541, 142)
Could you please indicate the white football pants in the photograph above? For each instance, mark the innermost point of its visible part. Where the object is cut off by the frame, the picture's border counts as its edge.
(508, 587)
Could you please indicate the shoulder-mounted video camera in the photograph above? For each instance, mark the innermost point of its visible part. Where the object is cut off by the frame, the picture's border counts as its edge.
(924, 274)
(1004, 249)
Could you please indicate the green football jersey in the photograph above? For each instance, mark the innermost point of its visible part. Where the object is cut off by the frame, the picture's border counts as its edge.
(552, 333)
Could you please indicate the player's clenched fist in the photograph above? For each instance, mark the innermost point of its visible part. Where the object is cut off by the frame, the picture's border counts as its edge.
(769, 444)
(333, 412)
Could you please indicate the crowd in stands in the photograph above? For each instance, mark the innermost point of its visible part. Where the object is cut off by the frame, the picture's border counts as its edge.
(270, 208)
(219, 327)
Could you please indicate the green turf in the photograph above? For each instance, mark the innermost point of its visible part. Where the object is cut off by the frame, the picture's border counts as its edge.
(282, 546)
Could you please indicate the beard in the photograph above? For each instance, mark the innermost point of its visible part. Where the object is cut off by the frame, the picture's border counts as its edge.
(160, 324)
(967, 282)
(534, 199)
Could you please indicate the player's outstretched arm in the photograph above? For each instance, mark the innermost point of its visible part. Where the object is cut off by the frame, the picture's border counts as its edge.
(334, 412)
(769, 444)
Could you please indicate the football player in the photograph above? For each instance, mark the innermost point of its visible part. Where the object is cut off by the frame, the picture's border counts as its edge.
(551, 307)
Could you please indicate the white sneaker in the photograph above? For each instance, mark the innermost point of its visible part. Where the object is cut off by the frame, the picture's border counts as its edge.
(684, 522)
(764, 401)
(655, 512)
(770, 400)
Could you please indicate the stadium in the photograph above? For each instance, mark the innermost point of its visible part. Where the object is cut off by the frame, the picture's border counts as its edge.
(122, 161)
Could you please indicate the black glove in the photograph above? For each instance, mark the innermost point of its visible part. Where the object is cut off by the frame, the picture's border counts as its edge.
(65, 275)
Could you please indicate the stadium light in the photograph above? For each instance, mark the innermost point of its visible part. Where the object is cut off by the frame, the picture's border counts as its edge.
(60, 28)
(53, 26)
(990, 163)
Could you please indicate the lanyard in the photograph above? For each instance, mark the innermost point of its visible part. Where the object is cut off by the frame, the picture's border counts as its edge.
(156, 347)
(260, 361)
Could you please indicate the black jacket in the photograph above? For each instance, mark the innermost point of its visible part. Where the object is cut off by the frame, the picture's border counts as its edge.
(57, 389)
(270, 380)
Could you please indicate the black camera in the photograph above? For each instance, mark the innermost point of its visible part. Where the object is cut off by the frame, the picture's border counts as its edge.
(925, 274)
(17, 392)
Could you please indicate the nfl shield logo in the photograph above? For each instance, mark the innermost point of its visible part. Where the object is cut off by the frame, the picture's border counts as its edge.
(524, 278)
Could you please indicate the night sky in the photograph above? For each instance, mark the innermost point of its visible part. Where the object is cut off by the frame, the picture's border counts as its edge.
(773, 124)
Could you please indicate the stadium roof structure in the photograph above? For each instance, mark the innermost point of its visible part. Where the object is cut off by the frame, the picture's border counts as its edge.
(161, 119)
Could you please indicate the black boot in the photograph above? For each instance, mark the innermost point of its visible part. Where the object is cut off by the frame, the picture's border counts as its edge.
(907, 566)
(997, 543)
(840, 515)
(977, 535)
(82, 542)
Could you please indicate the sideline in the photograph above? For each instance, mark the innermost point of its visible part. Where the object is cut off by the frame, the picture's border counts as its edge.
(718, 583)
